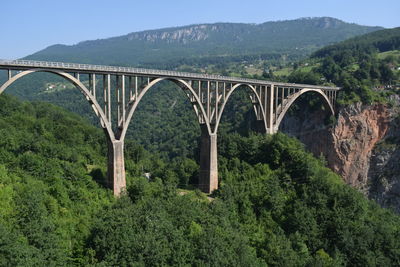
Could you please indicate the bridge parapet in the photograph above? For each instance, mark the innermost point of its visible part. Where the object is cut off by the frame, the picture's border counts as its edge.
(114, 70)
(207, 93)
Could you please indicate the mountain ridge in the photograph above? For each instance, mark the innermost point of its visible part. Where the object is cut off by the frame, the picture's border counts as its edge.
(300, 36)
(325, 23)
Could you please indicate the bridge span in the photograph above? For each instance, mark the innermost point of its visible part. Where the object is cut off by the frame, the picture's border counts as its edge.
(208, 94)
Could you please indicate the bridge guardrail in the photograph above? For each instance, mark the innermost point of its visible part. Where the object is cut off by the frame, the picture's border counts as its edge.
(151, 72)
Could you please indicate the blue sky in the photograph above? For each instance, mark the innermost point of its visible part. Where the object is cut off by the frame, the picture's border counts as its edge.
(27, 26)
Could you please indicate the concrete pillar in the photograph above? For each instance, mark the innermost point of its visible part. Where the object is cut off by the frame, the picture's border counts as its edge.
(116, 166)
(208, 178)
(272, 111)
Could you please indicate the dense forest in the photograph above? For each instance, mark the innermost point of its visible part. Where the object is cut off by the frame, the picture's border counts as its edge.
(164, 122)
(277, 204)
(168, 47)
(361, 65)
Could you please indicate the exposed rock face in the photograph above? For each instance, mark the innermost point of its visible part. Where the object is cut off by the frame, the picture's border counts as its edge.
(328, 23)
(181, 35)
(362, 146)
(384, 177)
(357, 131)
(384, 171)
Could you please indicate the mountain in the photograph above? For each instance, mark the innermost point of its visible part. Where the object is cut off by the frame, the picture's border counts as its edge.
(378, 41)
(164, 121)
(151, 48)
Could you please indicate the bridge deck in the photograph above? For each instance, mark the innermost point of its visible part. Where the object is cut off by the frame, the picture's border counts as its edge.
(102, 69)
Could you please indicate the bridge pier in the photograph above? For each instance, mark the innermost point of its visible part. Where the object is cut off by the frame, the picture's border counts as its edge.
(208, 95)
(272, 130)
(208, 176)
(116, 166)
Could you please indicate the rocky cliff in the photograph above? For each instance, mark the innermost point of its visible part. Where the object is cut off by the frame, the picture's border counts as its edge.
(362, 145)
(384, 171)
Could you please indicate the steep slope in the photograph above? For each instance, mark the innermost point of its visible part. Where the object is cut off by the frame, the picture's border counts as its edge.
(362, 146)
(362, 64)
(362, 142)
(378, 41)
(277, 208)
(194, 42)
(155, 47)
(49, 163)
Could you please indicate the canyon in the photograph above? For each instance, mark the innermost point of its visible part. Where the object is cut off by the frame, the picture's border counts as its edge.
(361, 145)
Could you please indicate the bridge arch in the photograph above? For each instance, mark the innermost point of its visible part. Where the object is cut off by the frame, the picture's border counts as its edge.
(253, 89)
(294, 97)
(182, 84)
(270, 100)
(82, 88)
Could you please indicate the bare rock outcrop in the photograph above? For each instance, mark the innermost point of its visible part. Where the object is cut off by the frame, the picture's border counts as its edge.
(358, 129)
(363, 146)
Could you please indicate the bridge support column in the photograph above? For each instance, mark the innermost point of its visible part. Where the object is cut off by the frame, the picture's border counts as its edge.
(271, 111)
(116, 166)
(208, 179)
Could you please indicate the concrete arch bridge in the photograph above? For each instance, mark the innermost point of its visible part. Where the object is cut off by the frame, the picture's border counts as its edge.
(208, 95)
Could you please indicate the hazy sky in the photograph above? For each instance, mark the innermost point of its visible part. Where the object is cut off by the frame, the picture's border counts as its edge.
(31, 25)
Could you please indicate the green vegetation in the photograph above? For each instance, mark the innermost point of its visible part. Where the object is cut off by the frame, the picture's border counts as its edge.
(201, 45)
(165, 122)
(297, 212)
(168, 126)
(48, 197)
(208, 48)
(277, 205)
(363, 66)
(385, 55)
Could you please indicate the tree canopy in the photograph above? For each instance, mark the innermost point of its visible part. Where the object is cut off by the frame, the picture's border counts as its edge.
(277, 205)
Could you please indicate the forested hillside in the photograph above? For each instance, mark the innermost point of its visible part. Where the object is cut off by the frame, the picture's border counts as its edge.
(165, 122)
(277, 205)
(379, 41)
(363, 66)
(194, 44)
(50, 161)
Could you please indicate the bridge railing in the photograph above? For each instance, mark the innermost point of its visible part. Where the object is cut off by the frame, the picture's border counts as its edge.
(152, 72)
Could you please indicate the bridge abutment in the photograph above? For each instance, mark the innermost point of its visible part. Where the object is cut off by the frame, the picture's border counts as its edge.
(116, 166)
(208, 178)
